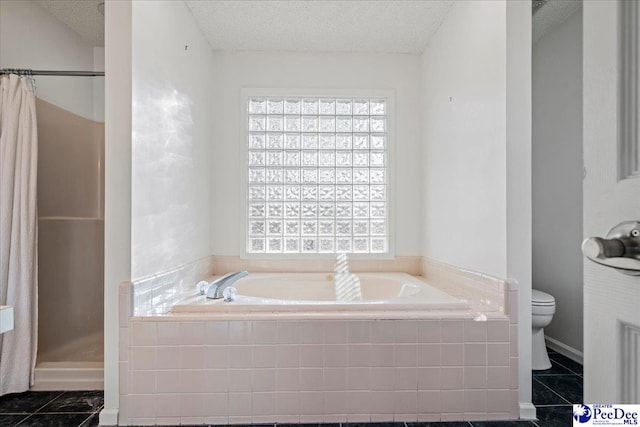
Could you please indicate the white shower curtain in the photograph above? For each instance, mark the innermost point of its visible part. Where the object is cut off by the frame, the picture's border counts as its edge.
(18, 230)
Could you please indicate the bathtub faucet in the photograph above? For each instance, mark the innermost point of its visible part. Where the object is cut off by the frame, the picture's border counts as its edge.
(217, 287)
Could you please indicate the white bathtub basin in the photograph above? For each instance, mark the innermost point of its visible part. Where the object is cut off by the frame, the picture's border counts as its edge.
(317, 292)
(321, 287)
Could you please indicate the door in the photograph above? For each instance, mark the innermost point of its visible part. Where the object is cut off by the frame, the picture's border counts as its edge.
(611, 196)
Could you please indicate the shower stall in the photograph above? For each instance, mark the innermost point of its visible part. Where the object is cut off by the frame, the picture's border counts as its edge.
(70, 194)
(70, 197)
(70, 250)
(70, 185)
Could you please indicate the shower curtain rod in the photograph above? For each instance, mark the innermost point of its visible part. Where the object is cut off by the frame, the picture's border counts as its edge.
(24, 72)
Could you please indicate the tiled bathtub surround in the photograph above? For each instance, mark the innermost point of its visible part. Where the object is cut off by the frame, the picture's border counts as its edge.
(301, 368)
(156, 294)
(552, 398)
(479, 291)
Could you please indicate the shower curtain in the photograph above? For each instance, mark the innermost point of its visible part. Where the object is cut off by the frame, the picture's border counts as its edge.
(18, 230)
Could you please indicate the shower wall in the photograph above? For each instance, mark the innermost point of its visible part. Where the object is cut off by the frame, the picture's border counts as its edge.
(71, 235)
(70, 180)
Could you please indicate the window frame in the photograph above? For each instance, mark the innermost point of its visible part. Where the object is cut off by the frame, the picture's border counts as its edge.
(387, 94)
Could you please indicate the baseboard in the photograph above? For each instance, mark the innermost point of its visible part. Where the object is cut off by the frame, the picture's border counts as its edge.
(54, 376)
(565, 350)
(527, 411)
(109, 417)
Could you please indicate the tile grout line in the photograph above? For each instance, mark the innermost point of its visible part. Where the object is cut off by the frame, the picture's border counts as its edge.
(569, 375)
(567, 368)
(86, 420)
(557, 375)
(29, 415)
(24, 419)
(553, 405)
(544, 374)
(55, 398)
(554, 392)
(16, 413)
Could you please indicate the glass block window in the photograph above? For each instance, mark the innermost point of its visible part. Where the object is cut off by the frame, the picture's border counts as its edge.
(317, 175)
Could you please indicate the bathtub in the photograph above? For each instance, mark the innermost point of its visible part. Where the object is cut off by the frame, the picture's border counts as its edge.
(287, 351)
(288, 292)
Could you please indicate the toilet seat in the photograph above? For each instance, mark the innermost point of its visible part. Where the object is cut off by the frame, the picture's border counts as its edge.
(543, 307)
(543, 310)
(539, 298)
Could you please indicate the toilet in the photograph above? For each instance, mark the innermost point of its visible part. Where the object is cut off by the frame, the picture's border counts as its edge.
(543, 307)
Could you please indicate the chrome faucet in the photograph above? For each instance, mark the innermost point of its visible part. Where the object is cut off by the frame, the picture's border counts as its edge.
(217, 287)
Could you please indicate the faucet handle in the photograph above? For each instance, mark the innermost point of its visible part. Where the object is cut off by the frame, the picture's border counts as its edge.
(201, 287)
(230, 294)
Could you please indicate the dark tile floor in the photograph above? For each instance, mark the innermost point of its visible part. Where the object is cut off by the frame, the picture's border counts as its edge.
(554, 391)
(51, 409)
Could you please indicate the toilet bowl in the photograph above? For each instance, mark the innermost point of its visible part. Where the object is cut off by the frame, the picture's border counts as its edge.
(543, 307)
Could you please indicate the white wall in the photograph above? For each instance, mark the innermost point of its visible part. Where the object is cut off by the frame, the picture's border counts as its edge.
(557, 176)
(31, 38)
(117, 215)
(233, 71)
(172, 134)
(464, 132)
(477, 151)
(518, 103)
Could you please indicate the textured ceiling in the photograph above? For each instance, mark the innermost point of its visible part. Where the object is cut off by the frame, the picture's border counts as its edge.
(401, 26)
(551, 13)
(319, 25)
(81, 16)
